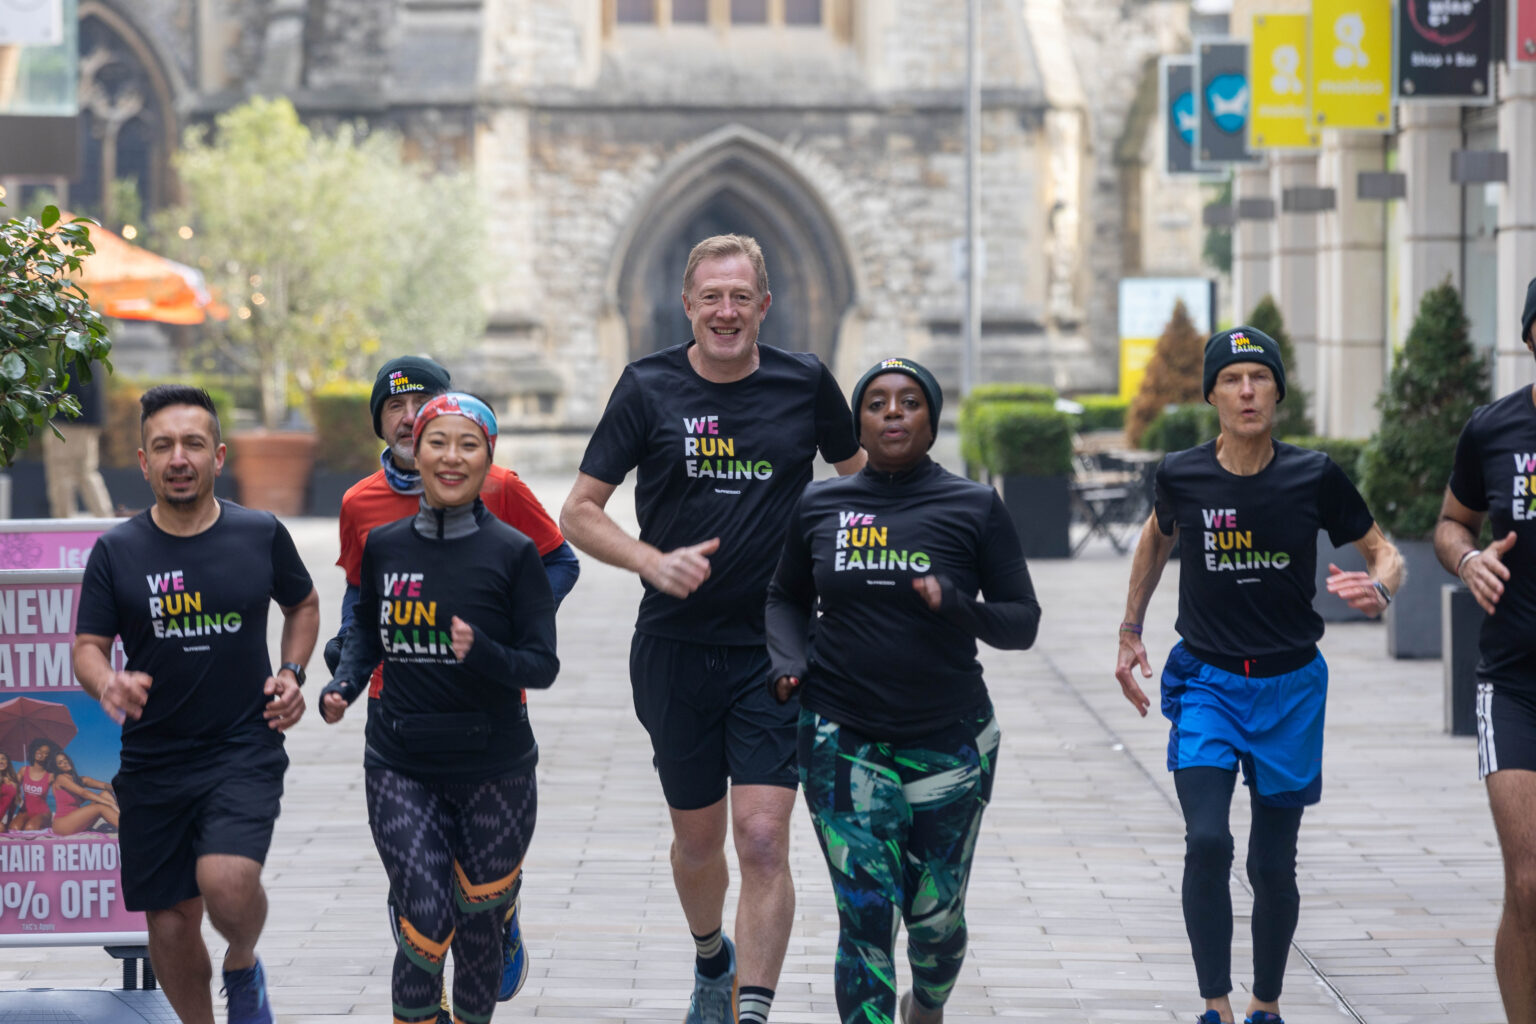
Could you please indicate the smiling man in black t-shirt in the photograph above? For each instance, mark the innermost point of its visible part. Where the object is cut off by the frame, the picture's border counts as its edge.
(1494, 477)
(1246, 685)
(724, 433)
(187, 584)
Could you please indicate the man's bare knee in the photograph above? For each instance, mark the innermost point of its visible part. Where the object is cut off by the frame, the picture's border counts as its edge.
(698, 836)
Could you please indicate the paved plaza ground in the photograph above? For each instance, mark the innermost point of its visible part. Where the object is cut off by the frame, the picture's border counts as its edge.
(1074, 906)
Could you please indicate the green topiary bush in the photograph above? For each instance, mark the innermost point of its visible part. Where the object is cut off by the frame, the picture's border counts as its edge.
(344, 428)
(1102, 412)
(1346, 451)
(984, 394)
(1023, 439)
(1181, 426)
(1438, 380)
(1290, 415)
(1174, 376)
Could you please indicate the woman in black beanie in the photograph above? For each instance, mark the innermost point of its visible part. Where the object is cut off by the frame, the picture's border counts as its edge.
(898, 743)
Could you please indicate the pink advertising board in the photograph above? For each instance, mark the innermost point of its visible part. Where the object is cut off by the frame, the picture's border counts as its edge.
(1522, 32)
(59, 878)
(49, 543)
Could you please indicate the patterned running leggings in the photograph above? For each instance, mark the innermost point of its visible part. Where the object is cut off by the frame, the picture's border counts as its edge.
(453, 853)
(898, 826)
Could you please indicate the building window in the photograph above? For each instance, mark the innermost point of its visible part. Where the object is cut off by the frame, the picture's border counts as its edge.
(749, 12)
(835, 16)
(635, 12)
(802, 12)
(690, 12)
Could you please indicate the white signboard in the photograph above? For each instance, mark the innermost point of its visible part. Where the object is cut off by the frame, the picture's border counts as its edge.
(31, 22)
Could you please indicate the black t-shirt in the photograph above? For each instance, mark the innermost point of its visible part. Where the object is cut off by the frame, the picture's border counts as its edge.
(439, 718)
(1248, 547)
(881, 660)
(192, 612)
(718, 460)
(1495, 472)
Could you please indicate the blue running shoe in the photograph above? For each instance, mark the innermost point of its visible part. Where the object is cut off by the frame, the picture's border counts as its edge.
(1209, 1017)
(714, 999)
(246, 991)
(514, 958)
(1263, 1017)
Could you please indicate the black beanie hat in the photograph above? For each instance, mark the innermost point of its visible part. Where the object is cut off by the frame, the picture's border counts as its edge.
(402, 376)
(1529, 316)
(1242, 345)
(917, 372)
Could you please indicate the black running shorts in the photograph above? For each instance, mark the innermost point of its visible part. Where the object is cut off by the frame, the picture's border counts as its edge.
(173, 815)
(1506, 729)
(711, 718)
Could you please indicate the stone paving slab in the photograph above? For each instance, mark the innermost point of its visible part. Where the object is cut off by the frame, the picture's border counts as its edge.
(1074, 907)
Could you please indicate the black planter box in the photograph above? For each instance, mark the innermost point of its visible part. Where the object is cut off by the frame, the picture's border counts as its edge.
(130, 491)
(1413, 617)
(1041, 509)
(1348, 558)
(326, 488)
(1461, 621)
(29, 491)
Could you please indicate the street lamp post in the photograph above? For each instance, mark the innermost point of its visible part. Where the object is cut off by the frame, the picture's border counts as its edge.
(972, 325)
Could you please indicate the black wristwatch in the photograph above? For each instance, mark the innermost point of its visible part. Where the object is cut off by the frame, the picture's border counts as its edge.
(295, 668)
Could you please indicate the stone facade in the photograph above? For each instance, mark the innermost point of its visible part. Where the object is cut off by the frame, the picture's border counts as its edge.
(600, 146)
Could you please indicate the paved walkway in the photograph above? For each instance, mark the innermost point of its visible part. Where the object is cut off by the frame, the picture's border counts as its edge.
(1074, 903)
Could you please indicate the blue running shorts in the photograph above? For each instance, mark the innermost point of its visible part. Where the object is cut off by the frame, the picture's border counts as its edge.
(1270, 725)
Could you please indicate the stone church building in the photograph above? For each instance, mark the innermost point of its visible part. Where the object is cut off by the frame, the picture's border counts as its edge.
(609, 135)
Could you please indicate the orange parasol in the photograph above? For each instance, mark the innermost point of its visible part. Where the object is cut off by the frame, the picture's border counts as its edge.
(130, 283)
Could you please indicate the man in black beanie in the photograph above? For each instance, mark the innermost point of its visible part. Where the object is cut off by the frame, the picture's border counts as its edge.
(1245, 685)
(1491, 478)
(402, 386)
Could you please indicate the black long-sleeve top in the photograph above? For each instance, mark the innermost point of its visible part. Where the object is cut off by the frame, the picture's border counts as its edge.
(438, 718)
(879, 659)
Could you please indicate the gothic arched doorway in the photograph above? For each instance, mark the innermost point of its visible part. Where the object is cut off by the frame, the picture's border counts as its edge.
(736, 183)
(127, 118)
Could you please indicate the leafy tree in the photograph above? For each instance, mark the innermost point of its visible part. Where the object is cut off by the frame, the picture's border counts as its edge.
(1438, 380)
(326, 249)
(1173, 376)
(48, 331)
(1291, 415)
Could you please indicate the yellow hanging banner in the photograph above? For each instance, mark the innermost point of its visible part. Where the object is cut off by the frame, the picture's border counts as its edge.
(1352, 64)
(1280, 77)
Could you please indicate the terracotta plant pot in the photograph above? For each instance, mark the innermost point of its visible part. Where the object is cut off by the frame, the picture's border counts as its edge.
(272, 469)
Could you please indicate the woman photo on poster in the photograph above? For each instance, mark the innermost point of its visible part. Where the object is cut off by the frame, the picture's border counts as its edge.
(79, 801)
(10, 790)
(36, 780)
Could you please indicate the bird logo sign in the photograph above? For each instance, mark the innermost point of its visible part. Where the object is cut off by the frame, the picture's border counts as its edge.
(1226, 96)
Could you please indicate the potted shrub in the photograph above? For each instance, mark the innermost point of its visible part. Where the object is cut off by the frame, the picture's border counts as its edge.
(1346, 452)
(984, 394)
(347, 449)
(1028, 446)
(1436, 383)
(1174, 376)
(1181, 426)
(1291, 416)
(1101, 412)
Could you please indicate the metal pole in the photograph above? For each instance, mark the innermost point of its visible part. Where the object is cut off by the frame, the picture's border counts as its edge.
(972, 327)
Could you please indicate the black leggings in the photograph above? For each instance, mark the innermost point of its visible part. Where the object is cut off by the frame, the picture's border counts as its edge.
(1205, 794)
(453, 853)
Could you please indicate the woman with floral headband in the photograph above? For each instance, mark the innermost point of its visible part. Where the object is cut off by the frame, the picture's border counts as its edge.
(457, 606)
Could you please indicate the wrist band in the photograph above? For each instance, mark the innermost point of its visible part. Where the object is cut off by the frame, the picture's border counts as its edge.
(1381, 588)
(1131, 627)
(1465, 559)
